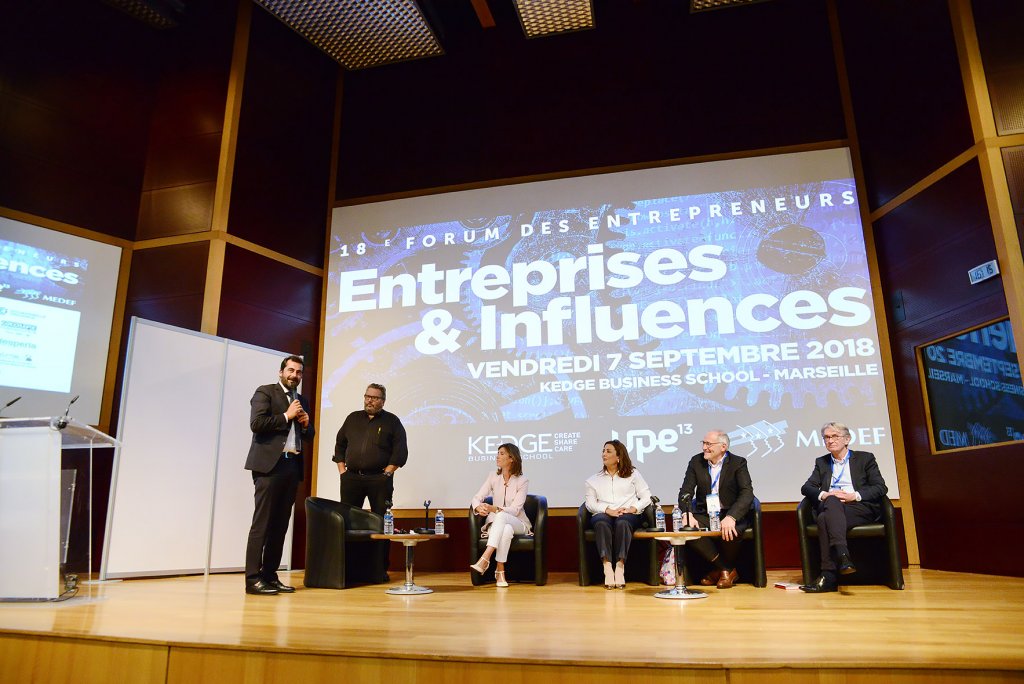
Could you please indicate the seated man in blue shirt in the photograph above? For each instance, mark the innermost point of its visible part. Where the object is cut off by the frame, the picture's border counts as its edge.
(848, 488)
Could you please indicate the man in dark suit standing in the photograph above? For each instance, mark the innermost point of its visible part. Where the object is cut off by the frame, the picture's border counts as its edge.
(848, 489)
(279, 420)
(722, 484)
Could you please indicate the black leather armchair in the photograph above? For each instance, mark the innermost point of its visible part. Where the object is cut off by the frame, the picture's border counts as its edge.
(339, 551)
(642, 564)
(750, 563)
(874, 547)
(532, 563)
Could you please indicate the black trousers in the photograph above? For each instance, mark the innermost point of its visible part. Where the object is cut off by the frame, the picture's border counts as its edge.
(834, 518)
(708, 547)
(378, 488)
(614, 535)
(274, 496)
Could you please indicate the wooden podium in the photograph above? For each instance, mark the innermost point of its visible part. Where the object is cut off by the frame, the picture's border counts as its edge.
(31, 496)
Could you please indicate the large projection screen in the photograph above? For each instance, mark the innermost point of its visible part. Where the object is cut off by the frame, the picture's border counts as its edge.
(648, 306)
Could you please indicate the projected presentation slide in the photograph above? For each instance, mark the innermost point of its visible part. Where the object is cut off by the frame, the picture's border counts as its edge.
(56, 303)
(646, 306)
(37, 345)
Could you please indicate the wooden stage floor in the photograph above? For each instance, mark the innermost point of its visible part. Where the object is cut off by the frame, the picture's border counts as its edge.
(943, 627)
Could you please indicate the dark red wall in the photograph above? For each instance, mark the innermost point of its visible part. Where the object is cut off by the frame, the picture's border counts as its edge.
(73, 118)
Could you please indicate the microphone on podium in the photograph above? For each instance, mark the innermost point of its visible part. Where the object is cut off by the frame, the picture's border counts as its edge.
(12, 401)
(426, 529)
(62, 422)
(684, 505)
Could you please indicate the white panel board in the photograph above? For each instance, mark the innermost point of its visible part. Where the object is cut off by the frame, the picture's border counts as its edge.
(162, 493)
(181, 499)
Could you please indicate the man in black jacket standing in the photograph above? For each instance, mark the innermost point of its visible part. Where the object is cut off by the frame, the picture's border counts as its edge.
(848, 489)
(371, 445)
(279, 420)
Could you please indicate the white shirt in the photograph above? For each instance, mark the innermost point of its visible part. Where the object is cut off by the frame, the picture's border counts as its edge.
(841, 469)
(715, 471)
(612, 491)
(291, 444)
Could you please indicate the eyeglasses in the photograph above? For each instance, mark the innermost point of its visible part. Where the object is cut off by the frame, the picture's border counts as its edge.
(829, 438)
(367, 397)
(707, 444)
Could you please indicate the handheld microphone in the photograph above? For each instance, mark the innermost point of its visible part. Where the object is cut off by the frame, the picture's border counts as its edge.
(63, 421)
(12, 401)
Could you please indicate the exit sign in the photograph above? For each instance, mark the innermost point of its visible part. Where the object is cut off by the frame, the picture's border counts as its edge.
(989, 269)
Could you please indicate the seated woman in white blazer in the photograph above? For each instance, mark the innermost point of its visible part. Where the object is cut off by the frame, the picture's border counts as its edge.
(505, 515)
(615, 498)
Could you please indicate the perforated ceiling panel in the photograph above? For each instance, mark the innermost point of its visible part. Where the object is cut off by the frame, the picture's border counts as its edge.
(360, 34)
(546, 17)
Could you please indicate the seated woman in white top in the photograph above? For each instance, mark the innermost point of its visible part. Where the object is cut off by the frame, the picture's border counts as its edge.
(615, 497)
(505, 515)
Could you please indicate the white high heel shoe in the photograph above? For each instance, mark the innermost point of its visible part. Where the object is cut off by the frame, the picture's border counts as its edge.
(481, 565)
(620, 576)
(499, 575)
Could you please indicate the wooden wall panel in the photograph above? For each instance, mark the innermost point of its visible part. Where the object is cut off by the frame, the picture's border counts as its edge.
(73, 117)
(186, 128)
(964, 502)
(280, 195)
(998, 26)
(650, 82)
(908, 95)
(926, 246)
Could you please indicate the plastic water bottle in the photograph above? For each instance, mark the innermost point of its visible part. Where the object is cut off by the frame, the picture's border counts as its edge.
(677, 519)
(389, 521)
(659, 519)
(716, 522)
(439, 522)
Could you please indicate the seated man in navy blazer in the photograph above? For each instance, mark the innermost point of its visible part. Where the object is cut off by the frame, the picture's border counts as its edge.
(848, 488)
(718, 480)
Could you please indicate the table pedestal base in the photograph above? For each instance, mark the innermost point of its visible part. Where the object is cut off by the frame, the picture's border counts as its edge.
(678, 592)
(410, 588)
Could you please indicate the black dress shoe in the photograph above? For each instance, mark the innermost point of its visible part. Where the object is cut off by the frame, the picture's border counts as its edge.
(846, 566)
(281, 588)
(820, 586)
(260, 588)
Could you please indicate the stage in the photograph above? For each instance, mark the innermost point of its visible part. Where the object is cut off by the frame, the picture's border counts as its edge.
(943, 627)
